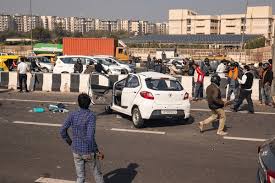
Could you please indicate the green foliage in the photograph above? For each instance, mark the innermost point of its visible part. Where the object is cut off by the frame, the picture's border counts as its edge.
(41, 34)
(257, 43)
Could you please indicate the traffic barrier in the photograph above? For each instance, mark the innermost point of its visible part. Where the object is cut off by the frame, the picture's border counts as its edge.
(81, 82)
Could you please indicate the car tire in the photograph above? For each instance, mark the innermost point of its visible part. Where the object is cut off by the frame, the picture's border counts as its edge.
(138, 122)
(108, 109)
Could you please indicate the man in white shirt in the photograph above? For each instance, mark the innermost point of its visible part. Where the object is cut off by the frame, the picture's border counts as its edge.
(221, 69)
(22, 70)
(246, 90)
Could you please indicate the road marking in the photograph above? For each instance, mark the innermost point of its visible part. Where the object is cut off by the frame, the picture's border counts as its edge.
(50, 180)
(138, 131)
(244, 139)
(228, 111)
(37, 124)
(38, 101)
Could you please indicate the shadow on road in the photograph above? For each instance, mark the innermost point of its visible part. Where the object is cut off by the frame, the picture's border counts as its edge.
(168, 122)
(125, 175)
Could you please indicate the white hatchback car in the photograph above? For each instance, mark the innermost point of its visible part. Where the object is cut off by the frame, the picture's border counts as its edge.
(150, 95)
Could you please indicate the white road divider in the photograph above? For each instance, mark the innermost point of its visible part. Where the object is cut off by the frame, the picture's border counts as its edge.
(244, 139)
(37, 124)
(50, 180)
(138, 131)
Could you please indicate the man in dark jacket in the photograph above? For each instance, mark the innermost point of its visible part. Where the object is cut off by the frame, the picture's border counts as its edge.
(100, 69)
(78, 67)
(267, 78)
(246, 90)
(216, 104)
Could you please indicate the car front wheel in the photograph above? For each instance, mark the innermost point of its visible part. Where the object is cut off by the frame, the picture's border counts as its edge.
(138, 122)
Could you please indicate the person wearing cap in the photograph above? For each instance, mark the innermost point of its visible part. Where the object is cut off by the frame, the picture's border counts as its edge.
(216, 104)
(246, 90)
(232, 81)
(267, 78)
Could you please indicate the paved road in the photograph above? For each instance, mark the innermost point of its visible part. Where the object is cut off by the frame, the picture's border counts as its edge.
(179, 154)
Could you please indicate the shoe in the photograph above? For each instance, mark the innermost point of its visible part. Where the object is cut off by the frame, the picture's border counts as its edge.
(195, 99)
(251, 112)
(27, 91)
(222, 133)
(200, 125)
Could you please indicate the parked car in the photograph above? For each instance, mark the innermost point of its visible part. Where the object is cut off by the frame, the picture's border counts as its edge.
(43, 63)
(150, 95)
(65, 64)
(266, 161)
(129, 67)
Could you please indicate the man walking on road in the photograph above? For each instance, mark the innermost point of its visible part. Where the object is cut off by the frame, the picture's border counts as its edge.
(266, 89)
(216, 105)
(84, 146)
(22, 70)
(246, 90)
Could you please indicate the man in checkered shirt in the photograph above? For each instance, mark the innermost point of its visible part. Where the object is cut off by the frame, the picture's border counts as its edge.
(83, 124)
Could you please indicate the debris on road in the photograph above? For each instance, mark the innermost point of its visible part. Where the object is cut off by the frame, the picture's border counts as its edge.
(58, 108)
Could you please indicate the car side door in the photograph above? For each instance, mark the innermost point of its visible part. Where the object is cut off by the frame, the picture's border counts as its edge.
(130, 91)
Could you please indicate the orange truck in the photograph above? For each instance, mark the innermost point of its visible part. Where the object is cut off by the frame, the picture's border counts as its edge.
(95, 46)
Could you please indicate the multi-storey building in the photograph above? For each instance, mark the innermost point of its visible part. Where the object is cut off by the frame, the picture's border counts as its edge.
(162, 28)
(31, 22)
(134, 26)
(6, 23)
(123, 25)
(151, 28)
(49, 22)
(256, 20)
(90, 24)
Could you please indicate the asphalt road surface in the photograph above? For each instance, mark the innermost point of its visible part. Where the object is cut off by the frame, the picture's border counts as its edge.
(164, 152)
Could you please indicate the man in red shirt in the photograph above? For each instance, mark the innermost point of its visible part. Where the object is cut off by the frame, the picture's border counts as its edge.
(198, 79)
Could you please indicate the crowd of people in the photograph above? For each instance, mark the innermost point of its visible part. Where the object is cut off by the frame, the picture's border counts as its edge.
(235, 73)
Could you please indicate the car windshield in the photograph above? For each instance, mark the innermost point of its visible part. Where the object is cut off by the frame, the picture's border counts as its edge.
(103, 61)
(44, 60)
(163, 84)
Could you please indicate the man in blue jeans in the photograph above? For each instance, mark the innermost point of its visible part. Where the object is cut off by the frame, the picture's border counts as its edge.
(84, 147)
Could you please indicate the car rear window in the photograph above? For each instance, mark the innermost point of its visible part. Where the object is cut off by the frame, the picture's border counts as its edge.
(163, 85)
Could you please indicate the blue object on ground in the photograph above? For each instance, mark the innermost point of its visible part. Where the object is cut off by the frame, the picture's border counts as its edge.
(38, 110)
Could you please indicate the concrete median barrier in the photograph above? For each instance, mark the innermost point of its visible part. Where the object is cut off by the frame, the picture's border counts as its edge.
(80, 82)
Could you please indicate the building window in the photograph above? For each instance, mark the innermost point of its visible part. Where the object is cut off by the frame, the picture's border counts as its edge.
(230, 26)
(200, 26)
(243, 28)
(188, 28)
(188, 21)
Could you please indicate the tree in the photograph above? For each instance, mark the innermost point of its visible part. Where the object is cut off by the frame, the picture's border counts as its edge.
(41, 34)
(256, 43)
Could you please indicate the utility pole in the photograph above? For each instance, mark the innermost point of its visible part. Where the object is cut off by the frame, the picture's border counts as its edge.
(243, 32)
(31, 24)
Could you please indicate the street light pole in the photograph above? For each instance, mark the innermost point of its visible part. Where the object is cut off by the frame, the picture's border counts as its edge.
(243, 32)
(31, 24)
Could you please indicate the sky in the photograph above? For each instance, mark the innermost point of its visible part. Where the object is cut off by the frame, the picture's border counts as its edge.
(152, 10)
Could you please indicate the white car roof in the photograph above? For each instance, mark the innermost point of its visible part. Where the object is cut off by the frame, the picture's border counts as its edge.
(69, 56)
(155, 75)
